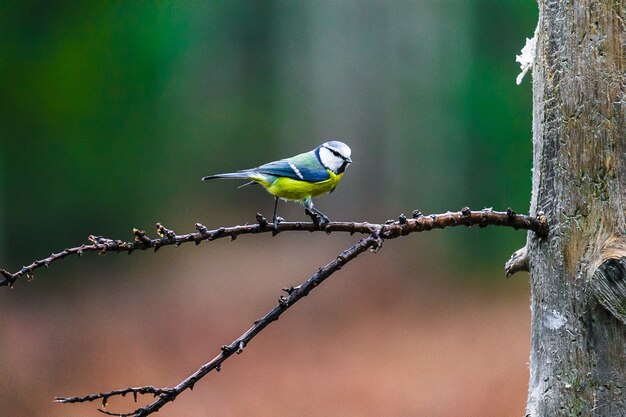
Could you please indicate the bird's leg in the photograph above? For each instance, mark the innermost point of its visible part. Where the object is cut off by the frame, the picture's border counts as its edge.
(275, 218)
(317, 216)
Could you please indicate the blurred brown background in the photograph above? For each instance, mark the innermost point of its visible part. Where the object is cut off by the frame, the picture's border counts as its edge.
(110, 114)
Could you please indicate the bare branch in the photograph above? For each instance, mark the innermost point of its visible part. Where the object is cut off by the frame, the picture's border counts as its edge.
(166, 395)
(375, 235)
(389, 230)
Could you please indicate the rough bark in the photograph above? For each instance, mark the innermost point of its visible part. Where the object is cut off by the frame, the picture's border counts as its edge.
(578, 352)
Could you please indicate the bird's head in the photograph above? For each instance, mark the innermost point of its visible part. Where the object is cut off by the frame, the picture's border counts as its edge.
(334, 155)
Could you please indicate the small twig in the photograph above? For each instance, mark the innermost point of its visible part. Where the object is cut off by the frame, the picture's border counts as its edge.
(517, 262)
(166, 395)
(390, 230)
(149, 389)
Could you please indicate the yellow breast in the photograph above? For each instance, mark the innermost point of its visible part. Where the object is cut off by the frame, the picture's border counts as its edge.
(296, 190)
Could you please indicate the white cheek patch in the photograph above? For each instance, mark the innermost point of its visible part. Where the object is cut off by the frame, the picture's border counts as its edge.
(296, 170)
(329, 160)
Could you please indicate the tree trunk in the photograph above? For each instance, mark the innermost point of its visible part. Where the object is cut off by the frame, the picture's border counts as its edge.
(578, 273)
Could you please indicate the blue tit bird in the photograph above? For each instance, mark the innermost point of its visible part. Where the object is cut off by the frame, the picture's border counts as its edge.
(299, 178)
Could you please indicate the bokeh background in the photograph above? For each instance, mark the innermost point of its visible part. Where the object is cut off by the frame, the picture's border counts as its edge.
(111, 112)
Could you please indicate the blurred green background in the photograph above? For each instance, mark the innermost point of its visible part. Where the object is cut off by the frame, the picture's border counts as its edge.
(111, 112)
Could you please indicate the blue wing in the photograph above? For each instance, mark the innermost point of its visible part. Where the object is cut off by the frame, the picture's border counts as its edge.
(303, 167)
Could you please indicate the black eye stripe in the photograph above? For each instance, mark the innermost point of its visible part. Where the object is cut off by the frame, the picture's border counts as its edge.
(337, 154)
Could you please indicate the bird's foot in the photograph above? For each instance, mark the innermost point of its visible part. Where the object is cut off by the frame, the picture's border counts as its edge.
(276, 221)
(319, 218)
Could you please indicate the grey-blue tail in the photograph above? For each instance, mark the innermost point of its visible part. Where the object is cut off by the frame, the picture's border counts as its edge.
(243, 175)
